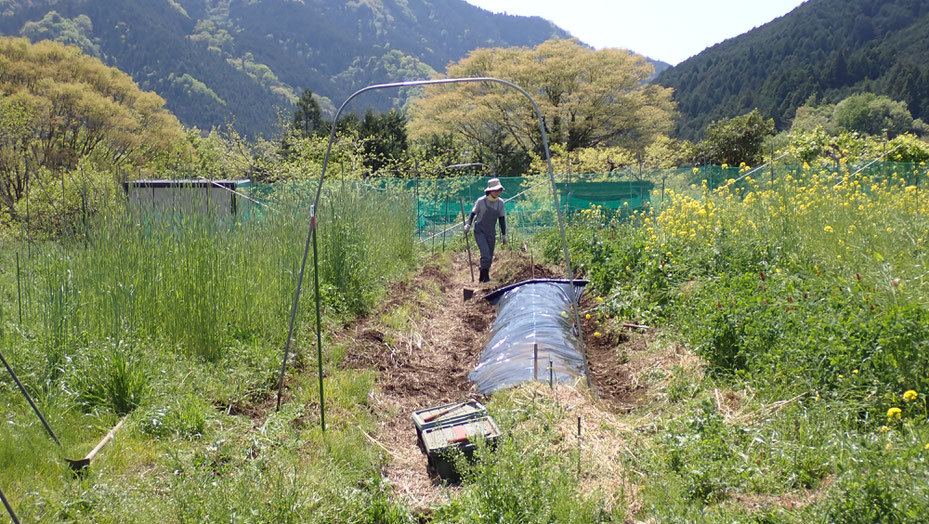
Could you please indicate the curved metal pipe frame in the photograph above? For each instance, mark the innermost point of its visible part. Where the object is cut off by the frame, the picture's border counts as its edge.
(310, 238)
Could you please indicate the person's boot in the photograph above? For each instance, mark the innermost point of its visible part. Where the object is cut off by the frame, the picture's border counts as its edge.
(485, 276)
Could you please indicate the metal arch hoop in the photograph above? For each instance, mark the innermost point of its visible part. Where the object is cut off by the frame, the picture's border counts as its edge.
(310, 238)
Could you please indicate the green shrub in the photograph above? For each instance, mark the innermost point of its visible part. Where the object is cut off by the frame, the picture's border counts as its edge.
(113, 377)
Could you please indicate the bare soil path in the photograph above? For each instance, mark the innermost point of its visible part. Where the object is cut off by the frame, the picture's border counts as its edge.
(425, 361)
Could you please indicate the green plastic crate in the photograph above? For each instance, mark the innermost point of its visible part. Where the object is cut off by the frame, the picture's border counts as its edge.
(447, 430)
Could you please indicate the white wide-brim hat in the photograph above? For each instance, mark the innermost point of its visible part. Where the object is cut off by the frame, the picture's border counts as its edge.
(493, 185)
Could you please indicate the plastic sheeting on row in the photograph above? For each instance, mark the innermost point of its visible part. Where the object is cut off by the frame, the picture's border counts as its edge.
(533, 337)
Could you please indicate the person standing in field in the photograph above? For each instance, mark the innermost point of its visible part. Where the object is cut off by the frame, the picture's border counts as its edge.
(486, 212)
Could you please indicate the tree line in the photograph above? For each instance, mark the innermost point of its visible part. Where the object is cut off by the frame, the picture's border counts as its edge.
(69, 121)
(825, 49)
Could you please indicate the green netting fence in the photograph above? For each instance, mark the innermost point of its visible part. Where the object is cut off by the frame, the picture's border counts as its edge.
(530, 207)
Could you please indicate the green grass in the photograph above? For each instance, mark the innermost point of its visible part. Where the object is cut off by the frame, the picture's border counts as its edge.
(800, 413)
(178, 322)
(531, 474)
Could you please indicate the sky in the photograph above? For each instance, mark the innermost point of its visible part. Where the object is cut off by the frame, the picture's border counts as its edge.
(667, 30)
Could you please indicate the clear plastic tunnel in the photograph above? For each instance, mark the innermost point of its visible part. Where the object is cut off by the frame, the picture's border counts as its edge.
(533, 337)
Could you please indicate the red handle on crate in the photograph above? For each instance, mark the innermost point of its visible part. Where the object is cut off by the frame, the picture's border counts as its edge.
(461, 434)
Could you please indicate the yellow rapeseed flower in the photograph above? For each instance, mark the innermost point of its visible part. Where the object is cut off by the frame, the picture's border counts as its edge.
(598, 334)
(893, 413)
(910, 395)
(587, 316)
(828, 229)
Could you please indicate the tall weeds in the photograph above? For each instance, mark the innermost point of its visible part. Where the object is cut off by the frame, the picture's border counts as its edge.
(201, 282)
(805, 291)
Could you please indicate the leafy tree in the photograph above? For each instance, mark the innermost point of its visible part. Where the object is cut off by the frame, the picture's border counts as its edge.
(15, 131)
(735, 140)
(587, 98)
(77, 31)
(663, 153)
(811, 117)
(810, 145)
(846, 147)
(666, 153)
(307, 117)
(831, 48)
(240, 61)
(384, 137)
(61, 107)
(873, 114)
(585, 160)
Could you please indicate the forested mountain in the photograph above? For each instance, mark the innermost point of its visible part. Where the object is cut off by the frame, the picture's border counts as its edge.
(824, 50)
(245, 60)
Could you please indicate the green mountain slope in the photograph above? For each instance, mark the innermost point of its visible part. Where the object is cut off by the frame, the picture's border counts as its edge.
(827, 49)
(244, 61)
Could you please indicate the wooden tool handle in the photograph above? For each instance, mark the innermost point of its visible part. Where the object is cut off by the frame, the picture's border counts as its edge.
(107, 438)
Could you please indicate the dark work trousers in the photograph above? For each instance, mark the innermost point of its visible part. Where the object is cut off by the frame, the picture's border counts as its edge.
(486, 243)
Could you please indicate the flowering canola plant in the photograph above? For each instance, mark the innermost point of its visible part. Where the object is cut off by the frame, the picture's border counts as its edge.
(839, 219)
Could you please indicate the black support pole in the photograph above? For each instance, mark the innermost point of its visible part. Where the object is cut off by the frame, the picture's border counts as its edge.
(9, 509)
(29, 399)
